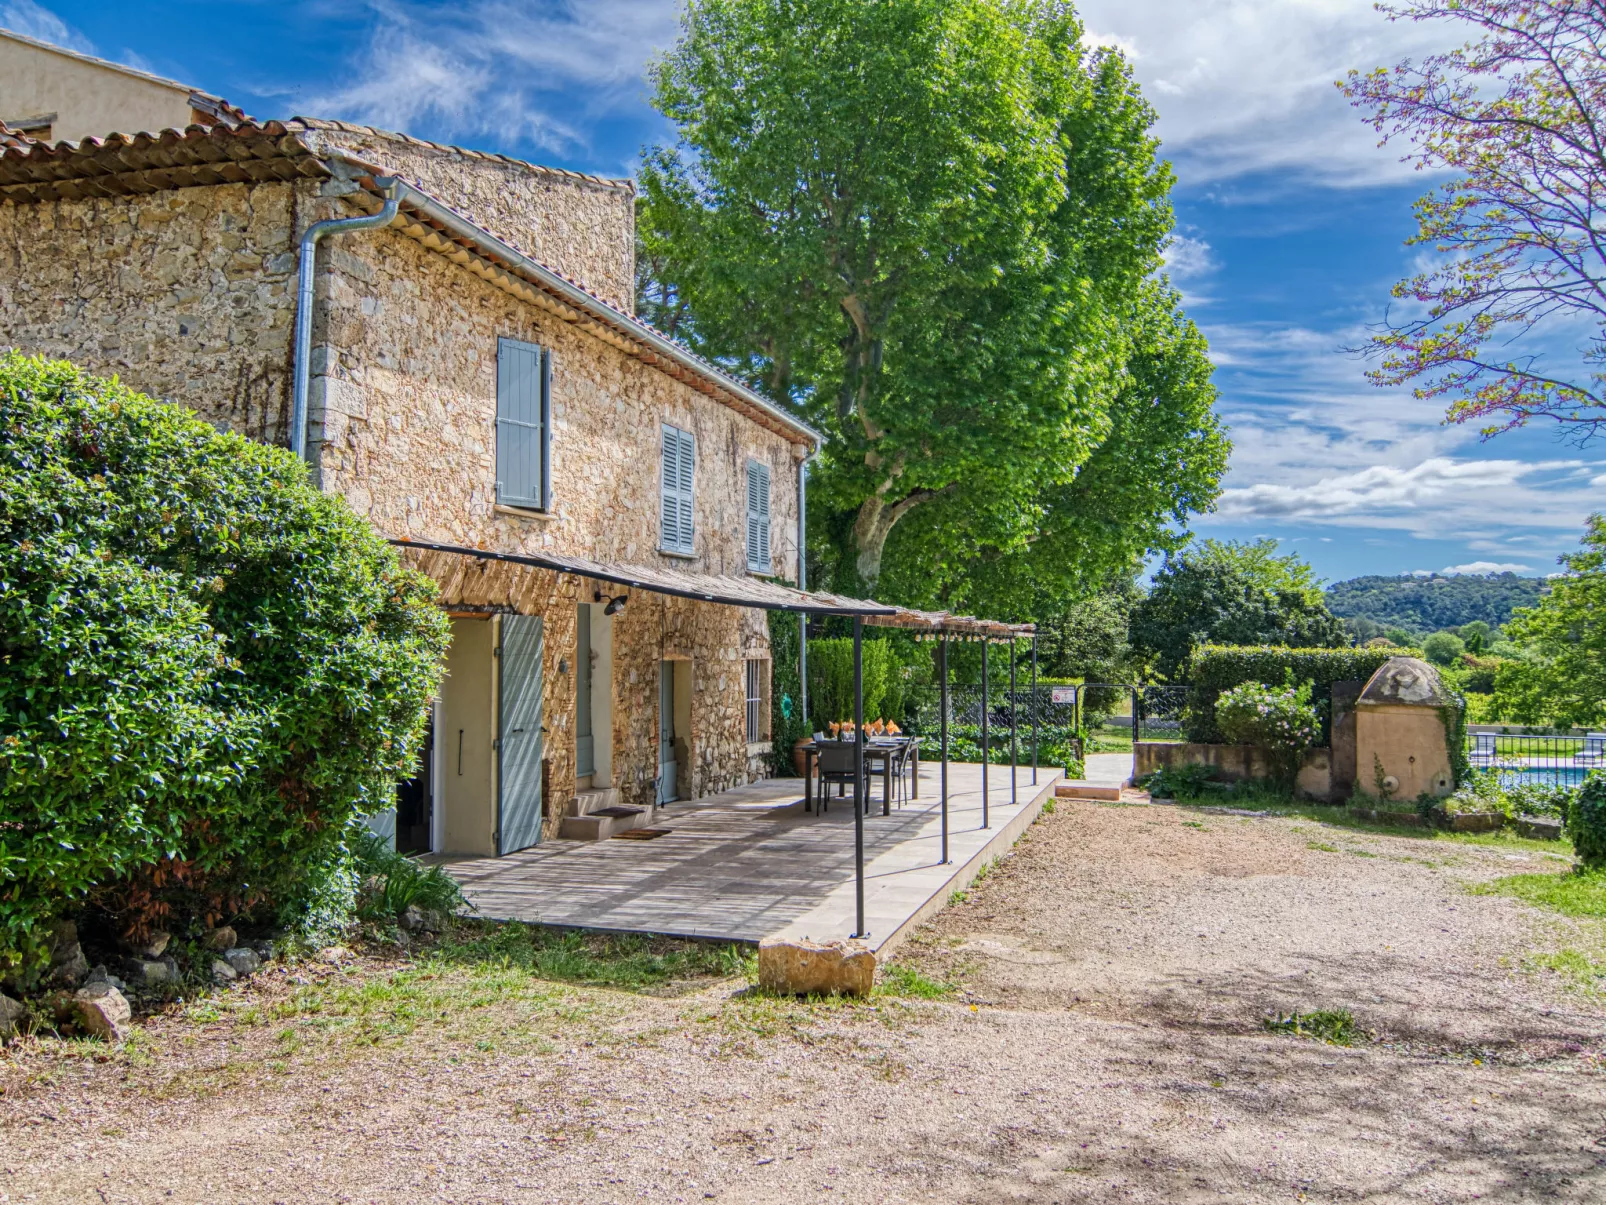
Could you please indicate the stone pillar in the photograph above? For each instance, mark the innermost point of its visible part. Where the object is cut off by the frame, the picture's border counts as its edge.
(1400, 733)
(1345, 772)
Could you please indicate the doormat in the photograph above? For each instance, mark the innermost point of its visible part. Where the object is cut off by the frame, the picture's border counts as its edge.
(640, 834)
(617, 812)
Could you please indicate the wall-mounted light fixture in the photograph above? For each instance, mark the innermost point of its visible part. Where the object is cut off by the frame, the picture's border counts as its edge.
(616, 605)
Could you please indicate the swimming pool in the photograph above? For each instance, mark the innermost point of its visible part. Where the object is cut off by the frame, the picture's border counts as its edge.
(1536, 776)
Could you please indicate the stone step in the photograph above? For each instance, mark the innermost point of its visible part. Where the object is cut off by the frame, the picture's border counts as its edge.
(593, 800)
(1087, 790)
(593, 827)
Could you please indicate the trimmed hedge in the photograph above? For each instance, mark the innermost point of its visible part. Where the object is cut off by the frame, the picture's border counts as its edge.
(1219, 667)
(1586, 823)
(212, 670)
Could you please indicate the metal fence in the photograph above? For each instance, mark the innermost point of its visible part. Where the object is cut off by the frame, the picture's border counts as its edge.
(1062, 713)
(1523, 759)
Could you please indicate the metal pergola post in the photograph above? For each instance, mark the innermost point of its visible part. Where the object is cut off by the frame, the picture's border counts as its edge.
(1014, 774)
(942, 726)
(1034, 709)
(986, 735)
(858, 773)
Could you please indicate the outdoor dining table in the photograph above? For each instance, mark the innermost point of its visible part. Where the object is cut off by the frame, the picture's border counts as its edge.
(877, 749)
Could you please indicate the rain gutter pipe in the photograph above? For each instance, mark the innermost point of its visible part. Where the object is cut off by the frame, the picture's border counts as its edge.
(802, 584)
(304, 294)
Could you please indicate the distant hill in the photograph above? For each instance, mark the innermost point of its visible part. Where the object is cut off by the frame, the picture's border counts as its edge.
(1426, 604)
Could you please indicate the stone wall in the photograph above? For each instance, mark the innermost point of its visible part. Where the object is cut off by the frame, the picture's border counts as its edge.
(187, 295)
(190, 295)
(582, 226)
(1233, 763)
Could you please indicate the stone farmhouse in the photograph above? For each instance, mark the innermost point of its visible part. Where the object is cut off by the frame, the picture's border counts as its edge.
(603, 511)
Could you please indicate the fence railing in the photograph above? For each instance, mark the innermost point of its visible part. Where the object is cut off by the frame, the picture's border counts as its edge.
(1062, 713)
(1530, 760)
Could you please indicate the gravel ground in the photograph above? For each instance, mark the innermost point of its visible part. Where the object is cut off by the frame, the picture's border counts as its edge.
(1105, 1044)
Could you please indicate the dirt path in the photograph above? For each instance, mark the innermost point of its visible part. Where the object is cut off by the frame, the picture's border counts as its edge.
(1106, 1046)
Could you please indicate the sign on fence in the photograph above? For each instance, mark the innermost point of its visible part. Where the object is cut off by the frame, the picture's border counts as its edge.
(1064, 694)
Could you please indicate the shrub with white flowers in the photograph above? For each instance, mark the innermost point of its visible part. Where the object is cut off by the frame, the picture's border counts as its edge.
(1280, 719)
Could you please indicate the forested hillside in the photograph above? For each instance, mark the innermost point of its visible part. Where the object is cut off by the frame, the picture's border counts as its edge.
(1428, 604)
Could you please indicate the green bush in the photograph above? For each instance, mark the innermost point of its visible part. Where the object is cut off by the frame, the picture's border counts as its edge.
(211, 668)
(1219, 667)
(1443, 648)
(1586, 822)
(393, 882)
(831, 680)
(1279, 720)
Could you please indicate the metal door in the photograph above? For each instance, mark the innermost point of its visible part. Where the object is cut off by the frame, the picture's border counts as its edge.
(668, 789)
(585, 745)
(519, 748)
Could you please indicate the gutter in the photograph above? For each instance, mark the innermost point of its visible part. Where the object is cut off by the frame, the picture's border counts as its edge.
(304, 295)
(487, 244)
(802, 584)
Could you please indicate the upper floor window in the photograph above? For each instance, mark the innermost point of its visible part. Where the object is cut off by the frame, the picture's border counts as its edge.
(523, 425)
(758, 517)
(676, 528)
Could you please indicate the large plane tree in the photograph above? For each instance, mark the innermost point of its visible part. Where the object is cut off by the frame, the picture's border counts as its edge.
(933, 227)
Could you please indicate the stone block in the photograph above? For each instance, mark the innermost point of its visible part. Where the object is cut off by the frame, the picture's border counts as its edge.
(103, 1011)
(807, 968)
(242, 960)
(12, 1015)
(221, 938)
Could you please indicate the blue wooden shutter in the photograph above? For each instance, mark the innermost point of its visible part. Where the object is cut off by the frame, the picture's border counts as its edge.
(679, 463)
(522, 406)
(758, 517)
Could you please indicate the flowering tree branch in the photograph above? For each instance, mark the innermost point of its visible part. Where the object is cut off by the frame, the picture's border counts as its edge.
(1517, 113)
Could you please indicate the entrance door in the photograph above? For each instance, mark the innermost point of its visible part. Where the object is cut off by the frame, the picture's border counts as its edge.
(585, 745)
(519, 747)
(668, 788)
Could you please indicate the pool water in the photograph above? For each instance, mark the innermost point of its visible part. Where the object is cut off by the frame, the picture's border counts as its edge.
(1534, 776)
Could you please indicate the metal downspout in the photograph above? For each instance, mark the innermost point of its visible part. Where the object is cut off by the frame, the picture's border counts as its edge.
(803, 584)
(304, 294)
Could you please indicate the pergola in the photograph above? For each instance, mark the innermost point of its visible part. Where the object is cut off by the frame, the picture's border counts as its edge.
(489, 580)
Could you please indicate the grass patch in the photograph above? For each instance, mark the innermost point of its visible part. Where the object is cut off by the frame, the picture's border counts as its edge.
(1572, 894)
(633, 962)
(905, 981)
(1323, 846)
(1577, 969)
(1335, 1026)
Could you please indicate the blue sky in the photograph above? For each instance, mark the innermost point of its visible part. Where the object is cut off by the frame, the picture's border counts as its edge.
(1291, 220)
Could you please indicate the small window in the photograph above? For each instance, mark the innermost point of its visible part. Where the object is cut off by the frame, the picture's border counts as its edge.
(758, 517)
(523, 425)
(677, 528)
(757, 712)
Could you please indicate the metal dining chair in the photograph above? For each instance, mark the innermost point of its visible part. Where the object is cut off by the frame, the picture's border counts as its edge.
(835, 764)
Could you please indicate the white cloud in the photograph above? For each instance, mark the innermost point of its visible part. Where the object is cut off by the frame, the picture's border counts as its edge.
(1187, 258)
(34, 21)
(1247, 85)
(1477, 567)
(514, 70)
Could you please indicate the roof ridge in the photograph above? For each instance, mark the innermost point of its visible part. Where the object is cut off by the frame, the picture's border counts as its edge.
(621, 183)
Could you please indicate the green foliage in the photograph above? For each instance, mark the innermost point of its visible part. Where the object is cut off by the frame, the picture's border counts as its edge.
(1582, 893)
(211, 668)
(628, 961)
(824, 149)
(1428, 604)
(1334, 1026)
(1232, 593)
(1564, 682)
(1054, 748)
(1281, 720)
(1088, 639)
(1186, 782)
(1586, 822)
(1443, 648)
(393, 882)
(886, 681)
(787, 722)
(1216, 668)
(907, 982)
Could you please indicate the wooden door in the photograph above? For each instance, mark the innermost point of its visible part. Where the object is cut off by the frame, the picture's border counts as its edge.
(520, 745)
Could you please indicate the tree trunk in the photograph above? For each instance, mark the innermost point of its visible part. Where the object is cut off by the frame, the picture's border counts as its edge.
(877, 517)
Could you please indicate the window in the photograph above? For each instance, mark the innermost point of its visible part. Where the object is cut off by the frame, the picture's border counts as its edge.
(757, 713)
(677, 528)
(758, 517)
(523, 425)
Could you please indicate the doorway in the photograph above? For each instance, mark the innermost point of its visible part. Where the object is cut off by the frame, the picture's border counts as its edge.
(674, 731)
(415, 801)
(585, 741)
(520, 744)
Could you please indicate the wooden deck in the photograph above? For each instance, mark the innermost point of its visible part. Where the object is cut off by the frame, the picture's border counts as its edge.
(750, 863)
